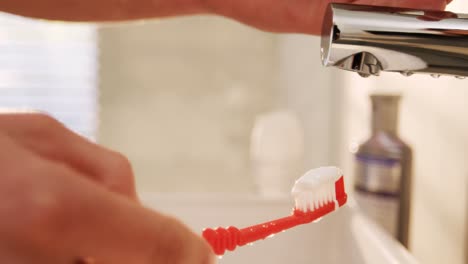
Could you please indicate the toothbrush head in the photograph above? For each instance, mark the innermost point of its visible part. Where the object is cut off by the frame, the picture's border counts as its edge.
(319, 189)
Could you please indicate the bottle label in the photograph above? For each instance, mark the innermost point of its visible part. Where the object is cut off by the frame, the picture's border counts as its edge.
(377, 186)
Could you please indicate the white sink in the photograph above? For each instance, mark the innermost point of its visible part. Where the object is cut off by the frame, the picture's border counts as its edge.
(344, 236)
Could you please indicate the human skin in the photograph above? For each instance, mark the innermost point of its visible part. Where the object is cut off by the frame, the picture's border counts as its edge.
(299, 16)
(64, 199)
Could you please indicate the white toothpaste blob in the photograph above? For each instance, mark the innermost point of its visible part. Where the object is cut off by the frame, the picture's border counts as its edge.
(315, 188)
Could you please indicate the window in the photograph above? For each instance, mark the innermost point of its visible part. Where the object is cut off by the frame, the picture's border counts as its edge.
(51, 67)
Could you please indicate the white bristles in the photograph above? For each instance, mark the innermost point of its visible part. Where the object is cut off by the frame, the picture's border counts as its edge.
(316, 188)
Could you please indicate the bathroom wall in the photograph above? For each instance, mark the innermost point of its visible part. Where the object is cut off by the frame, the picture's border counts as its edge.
(307, 88)
(179, 98)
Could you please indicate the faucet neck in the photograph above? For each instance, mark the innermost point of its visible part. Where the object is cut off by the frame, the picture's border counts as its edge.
(385, 113)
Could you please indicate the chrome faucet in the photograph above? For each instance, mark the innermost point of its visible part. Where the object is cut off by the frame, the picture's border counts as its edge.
(369, 40)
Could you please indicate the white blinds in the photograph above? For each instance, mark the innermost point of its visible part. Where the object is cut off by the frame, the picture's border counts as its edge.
(51, 67)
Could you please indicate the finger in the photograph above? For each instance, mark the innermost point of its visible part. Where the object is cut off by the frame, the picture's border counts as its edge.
(65, 216)
(47, 137)
(110, 229)
(437, 15)
(299, 16)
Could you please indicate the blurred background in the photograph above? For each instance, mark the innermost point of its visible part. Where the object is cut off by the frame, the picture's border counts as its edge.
(180, 98)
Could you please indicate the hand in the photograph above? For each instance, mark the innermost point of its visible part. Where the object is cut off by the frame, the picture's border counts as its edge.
(64, 198)
(299, 16)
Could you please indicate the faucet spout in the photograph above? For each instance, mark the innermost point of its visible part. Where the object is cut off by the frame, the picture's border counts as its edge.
(370, 40)
(364, 63)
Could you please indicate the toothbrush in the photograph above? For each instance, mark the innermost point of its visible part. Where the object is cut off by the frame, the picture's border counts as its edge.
(318, 192)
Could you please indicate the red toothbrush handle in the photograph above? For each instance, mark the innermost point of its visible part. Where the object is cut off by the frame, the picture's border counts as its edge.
(229, 238)
(222, 239)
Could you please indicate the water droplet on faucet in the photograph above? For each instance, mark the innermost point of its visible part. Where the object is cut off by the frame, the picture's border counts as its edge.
(364, 75)
(407, 73)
